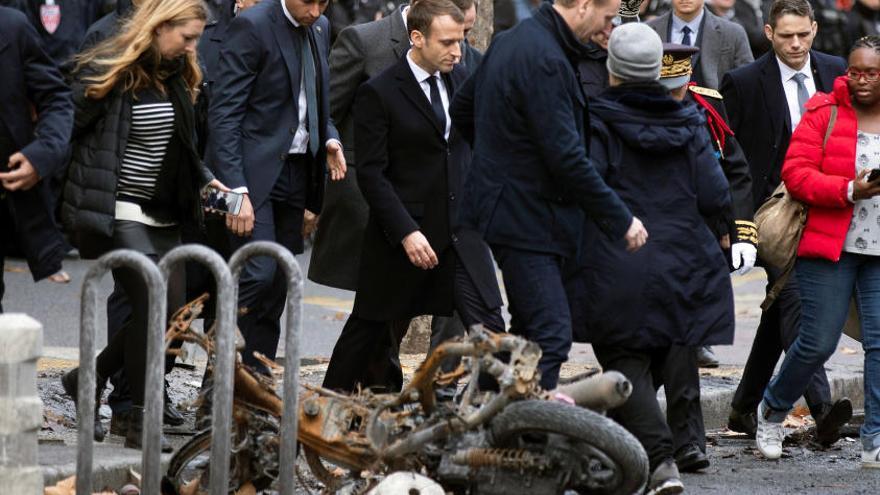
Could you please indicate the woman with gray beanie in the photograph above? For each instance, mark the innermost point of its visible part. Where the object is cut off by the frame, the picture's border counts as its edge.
(656, 154)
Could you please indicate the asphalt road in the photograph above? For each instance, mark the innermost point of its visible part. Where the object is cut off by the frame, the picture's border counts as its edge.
(326, 309)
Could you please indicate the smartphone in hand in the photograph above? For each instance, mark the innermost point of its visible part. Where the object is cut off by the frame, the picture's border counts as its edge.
(222, 202)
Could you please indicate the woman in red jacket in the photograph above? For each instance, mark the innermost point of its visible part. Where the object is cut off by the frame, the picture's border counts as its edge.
(839, 253)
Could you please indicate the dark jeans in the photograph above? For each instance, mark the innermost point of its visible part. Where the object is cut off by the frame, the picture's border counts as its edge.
(826, 289)
(641, 414)
(128, 348)
(777, 331)
(263, 287)
(367, 352)
(681, 382)
(538, 305)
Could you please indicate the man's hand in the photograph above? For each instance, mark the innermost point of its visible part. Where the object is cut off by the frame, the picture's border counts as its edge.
(310, 224)
(743, 255)
(419, 251)
(724, 241)
(21, 176)
(242, 224)
(636, 236)
(336, 161)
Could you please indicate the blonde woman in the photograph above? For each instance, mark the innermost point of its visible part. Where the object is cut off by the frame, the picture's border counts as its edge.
(135, 173)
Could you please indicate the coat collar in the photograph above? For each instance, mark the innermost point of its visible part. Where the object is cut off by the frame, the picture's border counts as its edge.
(773, 93)
(399, 36)
(574, 49)
(413, 92)
(281, 29)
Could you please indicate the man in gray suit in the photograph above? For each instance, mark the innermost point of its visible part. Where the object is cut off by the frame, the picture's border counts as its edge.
(359, 53)
(723, 44)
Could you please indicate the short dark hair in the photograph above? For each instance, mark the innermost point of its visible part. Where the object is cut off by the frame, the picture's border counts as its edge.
(422, 14)
(464, 5)
(800, 8)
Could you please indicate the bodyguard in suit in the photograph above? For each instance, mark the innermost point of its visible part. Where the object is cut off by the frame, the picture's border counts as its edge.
(30, 150)
(764, 101)
(531, 180)
(411, 165)
(723, 44)
(272, 139)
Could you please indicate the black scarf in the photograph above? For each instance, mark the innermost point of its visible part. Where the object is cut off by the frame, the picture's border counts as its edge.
(176, 192)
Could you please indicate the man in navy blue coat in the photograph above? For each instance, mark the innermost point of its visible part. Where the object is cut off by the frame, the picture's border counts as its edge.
(531, 180)
(35, 127)
(271, 139)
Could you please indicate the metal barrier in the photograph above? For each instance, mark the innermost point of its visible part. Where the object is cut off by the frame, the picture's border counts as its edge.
(152, 449)
(224, 365)
(293, 329)
(224, 341)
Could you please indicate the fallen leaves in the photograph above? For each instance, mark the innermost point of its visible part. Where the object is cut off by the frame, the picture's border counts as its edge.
(67, 486)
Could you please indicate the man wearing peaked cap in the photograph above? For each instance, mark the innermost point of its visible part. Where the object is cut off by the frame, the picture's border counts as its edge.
(734, 226)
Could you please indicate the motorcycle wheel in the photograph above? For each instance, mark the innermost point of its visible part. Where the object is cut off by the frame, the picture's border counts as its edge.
(190, 462)
(611, 459)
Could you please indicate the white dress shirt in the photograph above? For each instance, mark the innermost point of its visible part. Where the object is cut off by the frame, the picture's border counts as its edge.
(790, 87)
(422, 77)
(694, 25)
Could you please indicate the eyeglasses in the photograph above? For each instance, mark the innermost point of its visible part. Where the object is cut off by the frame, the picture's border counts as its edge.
(870, 76)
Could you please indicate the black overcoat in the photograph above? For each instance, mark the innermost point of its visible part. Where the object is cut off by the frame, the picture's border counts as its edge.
(411, 178)
(656, 154)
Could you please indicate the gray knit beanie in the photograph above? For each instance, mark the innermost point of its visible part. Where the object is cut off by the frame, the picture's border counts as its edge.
(635, 53)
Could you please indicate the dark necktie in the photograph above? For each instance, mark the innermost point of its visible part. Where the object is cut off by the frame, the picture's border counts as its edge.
(686, 39)
(309, 80)
(802, 93)
(437, 104)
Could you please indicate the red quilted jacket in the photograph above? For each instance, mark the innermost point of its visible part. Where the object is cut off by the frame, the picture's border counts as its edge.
(819, 178)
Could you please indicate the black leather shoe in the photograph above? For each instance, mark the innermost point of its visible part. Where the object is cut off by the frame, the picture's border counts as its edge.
(743, 422)
(831, 419)
(135, 431)
(70, 382)
(170, 415)
(119, 422)
(691, 459)
(706, 357)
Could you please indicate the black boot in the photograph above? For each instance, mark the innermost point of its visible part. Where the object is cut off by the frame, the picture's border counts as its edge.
(70, 382)
(135, 431)
(170, 415)
(830, 419)
(203, 412)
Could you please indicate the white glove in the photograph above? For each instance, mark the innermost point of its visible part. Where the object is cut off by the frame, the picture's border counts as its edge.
(744, 255)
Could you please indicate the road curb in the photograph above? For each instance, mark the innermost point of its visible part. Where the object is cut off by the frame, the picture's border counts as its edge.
(111, 464)
(716, 403)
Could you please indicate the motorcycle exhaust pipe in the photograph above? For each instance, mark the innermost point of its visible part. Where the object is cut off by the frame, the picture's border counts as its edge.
(599, 392)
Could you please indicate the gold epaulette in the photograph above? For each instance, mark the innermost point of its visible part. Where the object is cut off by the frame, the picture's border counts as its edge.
(711, 93)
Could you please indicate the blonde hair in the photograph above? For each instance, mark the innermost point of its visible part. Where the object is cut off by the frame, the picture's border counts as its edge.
(125, 58)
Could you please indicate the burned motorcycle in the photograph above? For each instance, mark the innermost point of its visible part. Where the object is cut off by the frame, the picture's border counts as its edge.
(481, 441)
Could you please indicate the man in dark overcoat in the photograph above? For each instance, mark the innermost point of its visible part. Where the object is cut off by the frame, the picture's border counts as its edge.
(35, 127)
(411, 166)
(531, 180)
